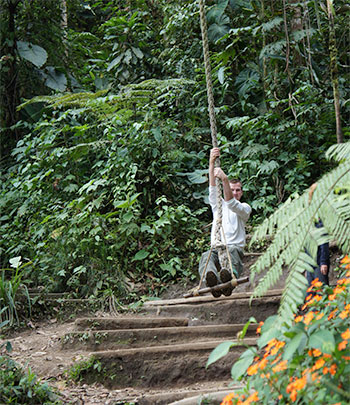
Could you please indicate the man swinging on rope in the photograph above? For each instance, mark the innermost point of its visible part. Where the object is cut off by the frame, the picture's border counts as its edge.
(234, 217)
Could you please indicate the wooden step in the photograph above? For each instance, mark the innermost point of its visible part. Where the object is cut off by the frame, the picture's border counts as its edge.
(163, 366)
(129, 322)
(219, 311)
(95, 340)
(212, 392)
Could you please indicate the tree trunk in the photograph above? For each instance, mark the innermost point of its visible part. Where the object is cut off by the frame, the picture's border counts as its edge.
(9, 91)
(64, 25)
(333, 53)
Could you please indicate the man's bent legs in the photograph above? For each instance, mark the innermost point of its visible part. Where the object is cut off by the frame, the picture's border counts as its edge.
(212, 266)
(236, 255)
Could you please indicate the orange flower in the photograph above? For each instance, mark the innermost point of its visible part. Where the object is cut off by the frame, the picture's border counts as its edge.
(342, 345)
(344, 314)
(319, 316)
(345, 281)
(228, 399)
(252, 398)
(339, 290)
(258, 330)
(332, 297)
(253, 369)
(346, 334)
(263, 364)
(308, 318)
(345, 260)
(333, 369)
(346, 357)
(315, 377)
(319, 363)
(316, 283)
(332, 314)
(293, 395)
(299, 318)
(316, 352)
(296, 385)
(280, 366)
(325, 370)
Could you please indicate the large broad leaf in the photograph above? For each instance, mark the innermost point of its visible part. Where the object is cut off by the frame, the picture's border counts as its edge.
(292, 346)
(218, 30)
(220, 351)
(33, 53)
(142, 254)
(216, 12)
(241, 366)
(55, 80)
(322, 339)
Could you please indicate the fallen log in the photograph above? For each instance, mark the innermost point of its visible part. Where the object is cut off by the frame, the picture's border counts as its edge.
(231, 283)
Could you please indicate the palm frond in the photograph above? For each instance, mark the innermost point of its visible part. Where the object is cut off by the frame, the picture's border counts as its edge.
(293, 231)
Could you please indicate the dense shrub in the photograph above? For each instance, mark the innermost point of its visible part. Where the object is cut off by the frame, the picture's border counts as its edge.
(18, 386)
(305, 362)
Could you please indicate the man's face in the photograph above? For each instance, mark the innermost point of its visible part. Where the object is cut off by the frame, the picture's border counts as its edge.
(236, 190)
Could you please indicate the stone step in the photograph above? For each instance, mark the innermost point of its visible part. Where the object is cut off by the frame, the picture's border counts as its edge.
(163, 366)
(130, 338)
(139, 322)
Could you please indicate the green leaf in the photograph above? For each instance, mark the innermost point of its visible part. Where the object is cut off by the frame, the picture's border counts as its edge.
(114, 62)
(267, 336)
(33, 53)
(292, 346)
(221, 74)
(142, 254)
(55, 80)
(323, 340)
(220, 351)
(137, 52)
(241, 366)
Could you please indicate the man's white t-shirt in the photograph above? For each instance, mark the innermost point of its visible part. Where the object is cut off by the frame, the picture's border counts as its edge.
(234, 217)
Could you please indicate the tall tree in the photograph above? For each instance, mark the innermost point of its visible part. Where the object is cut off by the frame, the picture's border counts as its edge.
(333, 53)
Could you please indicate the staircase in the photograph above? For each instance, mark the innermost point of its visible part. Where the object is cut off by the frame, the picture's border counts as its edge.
(165, 346)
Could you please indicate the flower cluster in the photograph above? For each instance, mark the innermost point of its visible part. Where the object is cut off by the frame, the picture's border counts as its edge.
(307, 362)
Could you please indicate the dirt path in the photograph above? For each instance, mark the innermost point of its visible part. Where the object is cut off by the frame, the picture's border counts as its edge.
(40, 348)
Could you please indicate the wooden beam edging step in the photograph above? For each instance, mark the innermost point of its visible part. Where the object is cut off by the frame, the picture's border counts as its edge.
(175, 397)
(140, 322)
(210, 298)
(213, 397)
(96, 340)
(171, 349)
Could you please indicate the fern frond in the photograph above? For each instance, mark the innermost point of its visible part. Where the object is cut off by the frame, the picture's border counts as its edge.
(134, 97)
(273, 49)
(294, 232)
(272, 24)
(339, 152)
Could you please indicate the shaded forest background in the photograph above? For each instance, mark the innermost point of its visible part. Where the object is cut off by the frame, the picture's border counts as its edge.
(105, 133)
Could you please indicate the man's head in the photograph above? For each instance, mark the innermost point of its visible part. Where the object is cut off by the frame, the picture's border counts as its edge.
(236, 187)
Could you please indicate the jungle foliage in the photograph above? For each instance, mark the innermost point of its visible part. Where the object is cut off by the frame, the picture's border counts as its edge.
(105, 134)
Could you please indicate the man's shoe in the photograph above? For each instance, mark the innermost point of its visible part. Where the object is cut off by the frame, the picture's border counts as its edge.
(211, 281)
(226, 276)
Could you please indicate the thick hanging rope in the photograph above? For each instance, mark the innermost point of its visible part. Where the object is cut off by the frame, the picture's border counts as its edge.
(220, 241)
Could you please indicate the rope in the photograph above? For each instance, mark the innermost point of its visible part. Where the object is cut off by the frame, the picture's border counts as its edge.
(224, 257)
